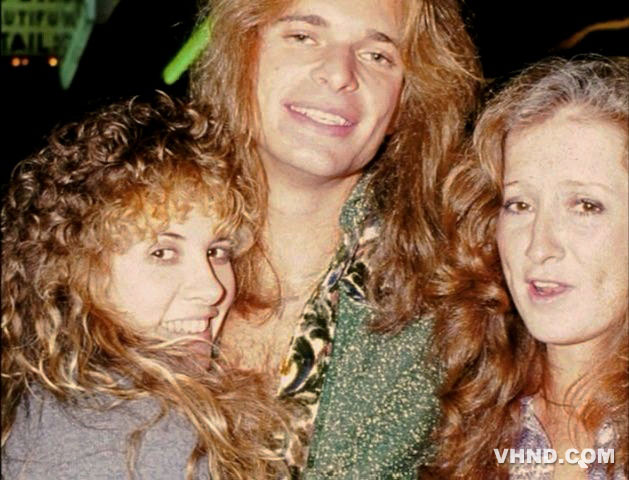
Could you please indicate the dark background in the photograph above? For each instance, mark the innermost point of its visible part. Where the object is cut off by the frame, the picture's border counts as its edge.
(125, 56)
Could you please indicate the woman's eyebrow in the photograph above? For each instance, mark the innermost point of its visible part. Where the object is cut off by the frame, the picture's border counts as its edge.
(174, 235)
(222, 238)
(577, 183)
(569, 183)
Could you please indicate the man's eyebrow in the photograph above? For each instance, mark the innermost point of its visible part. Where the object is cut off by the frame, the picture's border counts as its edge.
(380, 37)
(318, 21)
(314, 20)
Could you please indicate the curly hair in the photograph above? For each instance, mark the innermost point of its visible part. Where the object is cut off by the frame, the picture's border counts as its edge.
(117, 176)
(490, 359)
(441, 80)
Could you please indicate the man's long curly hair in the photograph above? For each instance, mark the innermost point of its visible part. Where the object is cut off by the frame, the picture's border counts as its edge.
(490, 359)
(441, 80)
(118, 176)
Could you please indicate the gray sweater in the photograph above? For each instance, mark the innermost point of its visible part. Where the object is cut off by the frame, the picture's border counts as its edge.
(51, 440)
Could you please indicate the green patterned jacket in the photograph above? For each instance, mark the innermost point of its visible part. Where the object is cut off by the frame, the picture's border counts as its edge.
(370, 398)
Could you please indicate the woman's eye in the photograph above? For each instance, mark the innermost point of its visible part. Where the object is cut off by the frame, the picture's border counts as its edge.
(220, 253)
(584, 206)
(163, 253)
(516, 207)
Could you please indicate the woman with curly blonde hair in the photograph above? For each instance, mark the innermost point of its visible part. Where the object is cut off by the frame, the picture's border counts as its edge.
(540, 209)
(118, 240)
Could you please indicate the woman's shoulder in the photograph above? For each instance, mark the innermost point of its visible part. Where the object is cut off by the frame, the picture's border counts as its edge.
(81, 441)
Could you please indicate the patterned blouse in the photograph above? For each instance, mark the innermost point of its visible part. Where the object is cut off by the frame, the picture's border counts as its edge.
(533, 436)
(366, 401)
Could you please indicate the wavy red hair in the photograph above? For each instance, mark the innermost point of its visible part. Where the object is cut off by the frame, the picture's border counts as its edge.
(490, 359)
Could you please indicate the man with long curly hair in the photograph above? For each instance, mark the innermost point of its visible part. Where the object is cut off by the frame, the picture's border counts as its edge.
(345, 114)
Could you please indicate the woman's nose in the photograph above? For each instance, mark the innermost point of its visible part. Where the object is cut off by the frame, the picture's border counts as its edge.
(544, 242)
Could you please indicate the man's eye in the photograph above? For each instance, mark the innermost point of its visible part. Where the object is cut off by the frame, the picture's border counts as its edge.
(163, 253)
(380, 58)
(300, 38)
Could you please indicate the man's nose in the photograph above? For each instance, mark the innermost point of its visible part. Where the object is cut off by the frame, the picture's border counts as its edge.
(337, 69)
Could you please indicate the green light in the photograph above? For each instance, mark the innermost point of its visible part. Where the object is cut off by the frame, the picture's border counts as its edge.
(78, 41)
(188, 53)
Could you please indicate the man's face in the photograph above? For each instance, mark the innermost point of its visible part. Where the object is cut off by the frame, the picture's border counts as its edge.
(329, 79)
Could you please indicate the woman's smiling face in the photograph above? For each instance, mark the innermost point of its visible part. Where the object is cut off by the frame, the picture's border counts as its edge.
(177, 284)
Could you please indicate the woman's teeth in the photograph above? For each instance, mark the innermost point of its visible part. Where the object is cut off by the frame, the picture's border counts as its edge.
(186, 326)
(547, 288)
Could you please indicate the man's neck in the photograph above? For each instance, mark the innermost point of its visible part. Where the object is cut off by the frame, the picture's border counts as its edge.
(301, 235)
(302, 232)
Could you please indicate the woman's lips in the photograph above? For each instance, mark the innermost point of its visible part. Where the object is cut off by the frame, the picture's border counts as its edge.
(331, 122)
(544, 291)
(198, 332)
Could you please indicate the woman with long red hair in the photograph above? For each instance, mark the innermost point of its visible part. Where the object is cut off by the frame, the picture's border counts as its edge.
(533, 330)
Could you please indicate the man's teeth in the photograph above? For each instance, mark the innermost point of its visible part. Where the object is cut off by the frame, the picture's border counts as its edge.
(185, 326)
(322, 117)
